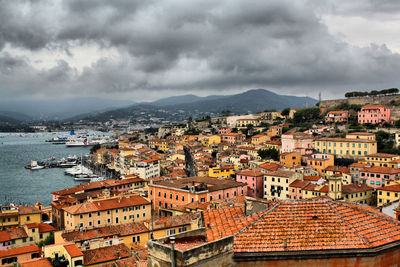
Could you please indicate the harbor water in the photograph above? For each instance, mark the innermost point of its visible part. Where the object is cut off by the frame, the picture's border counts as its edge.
(20, 185)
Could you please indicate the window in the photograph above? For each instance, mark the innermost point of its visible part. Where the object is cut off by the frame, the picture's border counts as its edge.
(98, 222)
(90, 223)
(90, 215)
(28, 218)
(24, 240)
(98, 213)
(108, 212)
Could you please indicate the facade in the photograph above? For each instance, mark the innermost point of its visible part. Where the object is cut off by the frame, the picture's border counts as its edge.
(320, 162)
(346, 147)
(339, 116)
(68, 251)
(12, 216)
(388, 194)
(146, 169)
(10, 257)
(222, 171)
(107, 212)
(167, 195)
(381, 159)
(276, 184)
(295, 188)
(290, 159)
(233, 138)
(277, 145)
(299, 142)
(374, 114)
(358, 193)
(254, 179)
(259, 139)
(378, 176)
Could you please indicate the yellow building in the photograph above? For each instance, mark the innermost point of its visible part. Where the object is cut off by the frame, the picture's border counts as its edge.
(314, 190)
(11, 216)
(277, 145)
(290, 159)
(160, 145)
(276, 184)
(242, 123)
(346, 147)
(259, 139)
(388, 194)
(107, 212)
(214, 139)
(381, 159)
(69, 250)
(358, 193)
(222, 171)
(361, 135)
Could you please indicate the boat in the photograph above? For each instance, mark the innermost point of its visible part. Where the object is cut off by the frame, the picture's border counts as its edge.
(35, 165)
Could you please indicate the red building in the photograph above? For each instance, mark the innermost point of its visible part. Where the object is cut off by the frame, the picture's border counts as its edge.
(374, 114)
(175, 194)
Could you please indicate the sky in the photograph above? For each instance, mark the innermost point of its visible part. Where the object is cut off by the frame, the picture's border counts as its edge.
(146, 50)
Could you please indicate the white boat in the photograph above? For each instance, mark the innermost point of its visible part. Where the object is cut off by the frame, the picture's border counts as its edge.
(35, 165)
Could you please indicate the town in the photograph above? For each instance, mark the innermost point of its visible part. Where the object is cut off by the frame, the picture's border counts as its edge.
(311, 186)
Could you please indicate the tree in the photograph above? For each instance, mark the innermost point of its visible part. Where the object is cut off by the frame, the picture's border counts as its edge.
(285, 112)
(270, 153)
(47, 241)
(95, 148)
(307, 115)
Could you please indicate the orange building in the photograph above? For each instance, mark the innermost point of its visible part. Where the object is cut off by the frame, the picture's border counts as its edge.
(320, 162)
(290, 159)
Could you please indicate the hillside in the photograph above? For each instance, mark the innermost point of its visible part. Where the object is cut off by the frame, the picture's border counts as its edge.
(251, 101)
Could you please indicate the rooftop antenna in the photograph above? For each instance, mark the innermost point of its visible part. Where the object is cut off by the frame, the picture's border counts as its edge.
(319, 97)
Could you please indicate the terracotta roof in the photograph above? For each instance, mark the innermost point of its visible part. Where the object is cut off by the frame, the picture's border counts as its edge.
(43, 227)
(337, 112)
(355, 188)
(299, 183)
(358, 165)
(312, 178)
(95, 256)
(73, 250)
(19, 251)
(212, 183)
(373, 107)
(337, 169)
(107, 204)
(39, 262)
(251, 172)
(378, 169)
(340, 139)
(318, 224)
(221, 223)
(382, 155)
(270, 166)
(281, 173)
(392, 188)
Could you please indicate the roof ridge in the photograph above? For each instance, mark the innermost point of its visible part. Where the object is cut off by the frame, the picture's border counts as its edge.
(259, 218)
(331, 205)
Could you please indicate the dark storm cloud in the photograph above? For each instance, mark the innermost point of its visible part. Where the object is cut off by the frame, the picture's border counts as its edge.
(190, 45)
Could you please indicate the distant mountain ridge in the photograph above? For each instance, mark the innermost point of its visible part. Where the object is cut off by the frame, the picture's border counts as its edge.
(252, 101)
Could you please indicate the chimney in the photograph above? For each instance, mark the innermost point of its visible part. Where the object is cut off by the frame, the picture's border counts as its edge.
(245, 208)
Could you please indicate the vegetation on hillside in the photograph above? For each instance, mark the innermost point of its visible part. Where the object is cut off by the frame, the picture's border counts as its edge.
(383, 92)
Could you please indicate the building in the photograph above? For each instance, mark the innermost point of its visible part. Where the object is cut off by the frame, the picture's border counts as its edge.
(107, 212)
(276, 184)
(12, 216)
(146, 169)
(296, 187)
(169, 195)
(233, 138)
(290, 159)
(319, 232)
(254, 179)
(339, 116)
(378, 176)
(358, 193)
(222, 171)
(388, 194)
(374, 114)
(160, 145)
(277, 145)
(381, 159)
(346, 147)
(259, 139)
(243, 123)
(355, 169)
(299, 142)
(320, 162)
(12, 256)
(65, 253)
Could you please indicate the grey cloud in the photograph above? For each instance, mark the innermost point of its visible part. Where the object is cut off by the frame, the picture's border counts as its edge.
(190, 45)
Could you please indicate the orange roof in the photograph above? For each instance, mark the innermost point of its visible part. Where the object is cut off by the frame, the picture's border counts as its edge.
(312, 178)
(281, 173)
(149, 160)
(337, 112)
(107, 204)
(251, 172)
(382, 155)
(299, 183)
(19, 251)
(392, 188)
(355, 188)
(317, 224)
(378, 169)
(73, 250)
(221, 223)
(105, 254)
(39, 262)
(358, 165)
(270, 166)
(373, 106)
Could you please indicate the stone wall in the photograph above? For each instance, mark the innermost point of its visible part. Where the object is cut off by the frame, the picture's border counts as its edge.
(384, 100)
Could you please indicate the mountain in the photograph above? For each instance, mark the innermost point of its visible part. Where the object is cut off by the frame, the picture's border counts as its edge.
(14, 116)
(175, 109)
(183, 99)
(58, 109)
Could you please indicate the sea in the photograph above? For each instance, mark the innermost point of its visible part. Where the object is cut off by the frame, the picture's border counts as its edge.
(23, 186)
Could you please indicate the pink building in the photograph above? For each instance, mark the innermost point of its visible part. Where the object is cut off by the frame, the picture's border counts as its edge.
(300, 142)
(254, 179)
(224, 130)
(295, 188)
(337, 116)
(374, 114)
(376, 176)
(233, 138)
